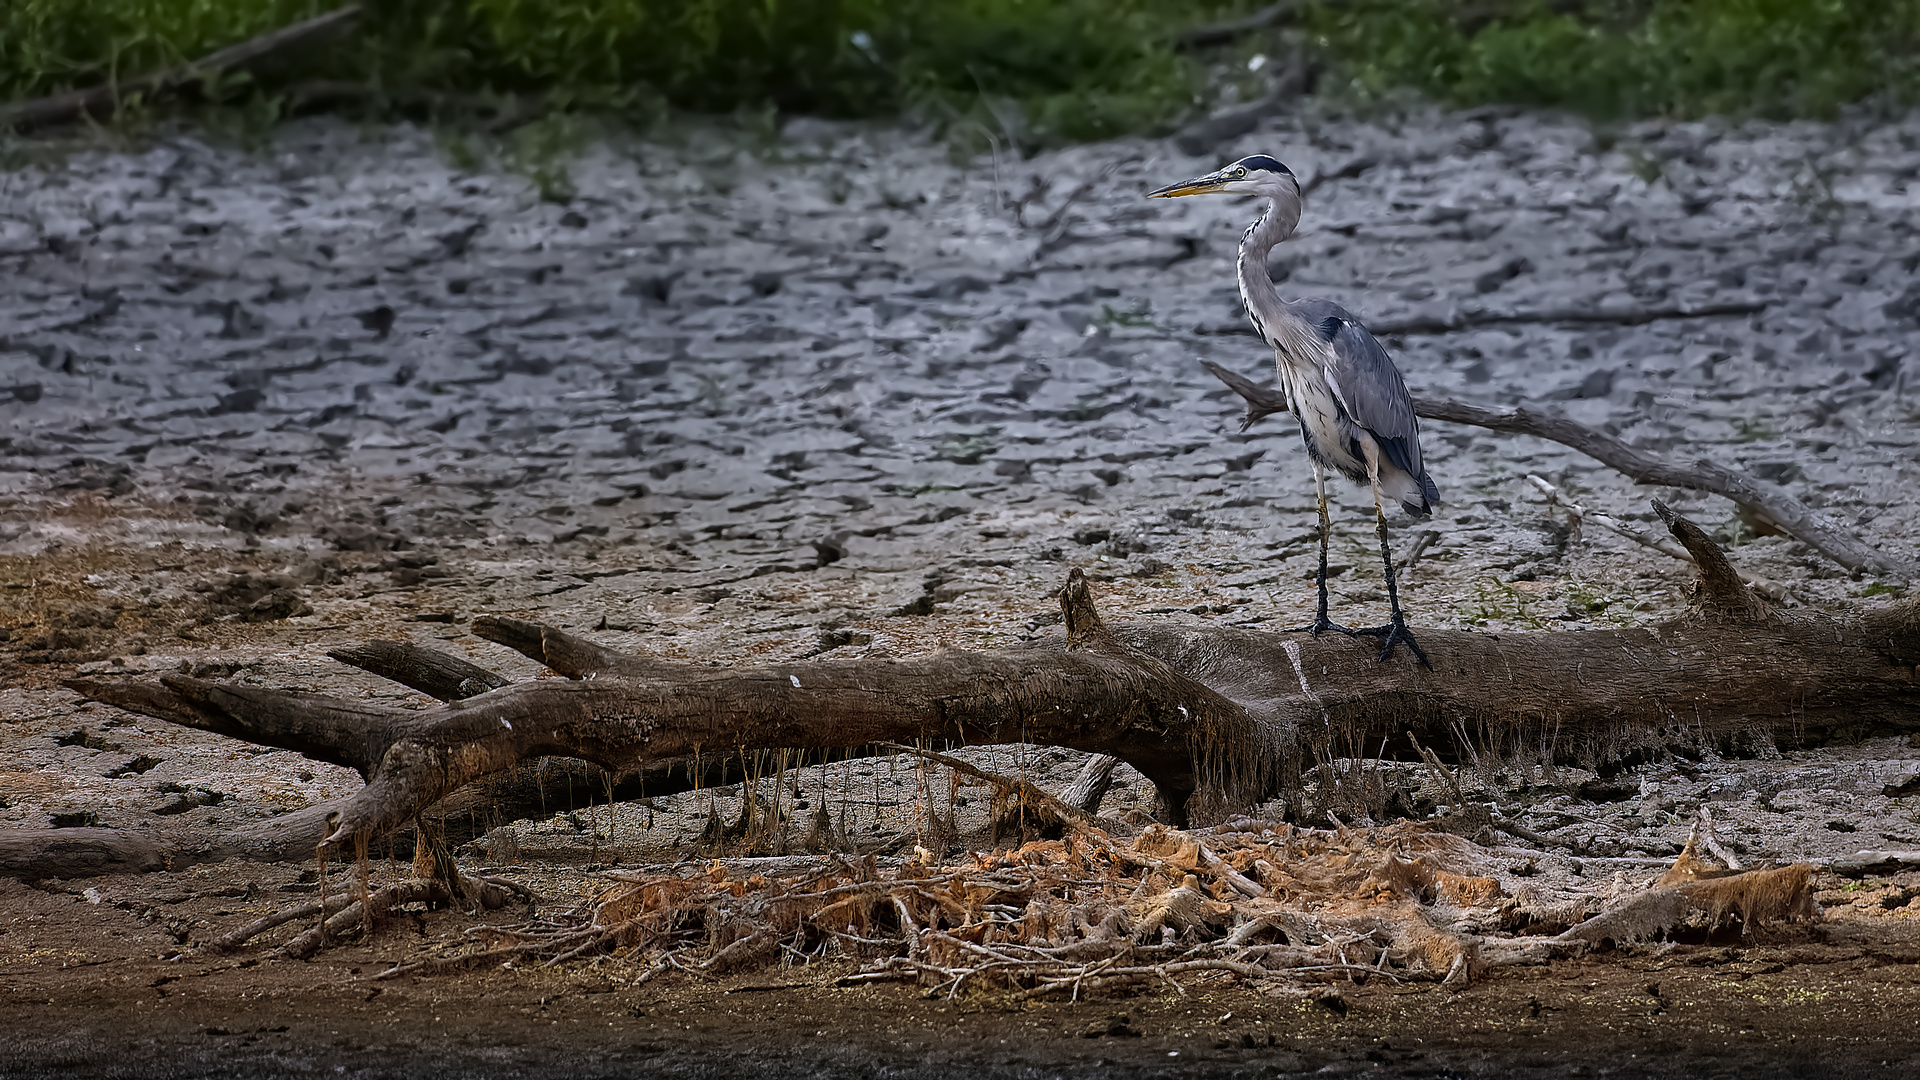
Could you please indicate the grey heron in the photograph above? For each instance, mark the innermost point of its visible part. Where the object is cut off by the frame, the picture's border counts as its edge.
(1354, 410)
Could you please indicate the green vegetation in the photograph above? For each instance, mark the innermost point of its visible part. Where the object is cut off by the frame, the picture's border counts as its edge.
(1008, 70)
(1018, 72)
(1623, 58)
(1498, 602)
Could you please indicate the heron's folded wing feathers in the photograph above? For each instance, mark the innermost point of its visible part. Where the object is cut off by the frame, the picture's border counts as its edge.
(1367, 384)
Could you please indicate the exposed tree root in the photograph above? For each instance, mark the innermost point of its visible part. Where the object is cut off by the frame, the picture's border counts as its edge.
(348, 914)
(1260, 902)
(1018, 805)
(1695, 891)
(435, 881)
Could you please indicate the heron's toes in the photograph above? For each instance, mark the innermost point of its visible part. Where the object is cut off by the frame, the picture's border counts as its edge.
(1321, 624)
(1395, 633)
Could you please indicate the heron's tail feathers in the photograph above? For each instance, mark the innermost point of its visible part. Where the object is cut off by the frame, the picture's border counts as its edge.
(1421, 505)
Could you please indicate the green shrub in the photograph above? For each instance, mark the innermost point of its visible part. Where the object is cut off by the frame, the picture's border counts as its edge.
(1081, 69)
(1032, 69)
(47, 45)
(1621, 58)
(1026, 71)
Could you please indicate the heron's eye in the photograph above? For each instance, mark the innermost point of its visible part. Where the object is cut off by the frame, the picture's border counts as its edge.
(1239, 171)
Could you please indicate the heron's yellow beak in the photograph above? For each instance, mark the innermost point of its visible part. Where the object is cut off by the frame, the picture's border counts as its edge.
(1199, 185)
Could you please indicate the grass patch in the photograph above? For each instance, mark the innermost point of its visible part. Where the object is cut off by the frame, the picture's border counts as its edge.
(1018, 73)
(1613, 59)
(1013, 71)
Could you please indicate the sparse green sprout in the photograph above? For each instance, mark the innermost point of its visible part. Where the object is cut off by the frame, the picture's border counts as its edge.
(964, 449)
(543, 152)
(1496, 600)
(1645, 166)
(1140, 313)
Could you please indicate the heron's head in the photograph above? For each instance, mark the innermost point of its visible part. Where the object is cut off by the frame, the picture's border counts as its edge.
(1256, 175)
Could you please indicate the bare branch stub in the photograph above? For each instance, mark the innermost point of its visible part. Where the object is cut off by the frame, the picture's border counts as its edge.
(327, 729)
(1084, 627)
(570, 655)
(1262, 401)
(1719, 584)
(435, 674)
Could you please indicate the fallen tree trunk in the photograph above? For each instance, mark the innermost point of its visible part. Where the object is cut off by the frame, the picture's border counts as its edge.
(1218, 718)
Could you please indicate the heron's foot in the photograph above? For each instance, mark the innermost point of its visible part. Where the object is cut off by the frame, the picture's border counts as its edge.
(1395, 633)
(1320, 625)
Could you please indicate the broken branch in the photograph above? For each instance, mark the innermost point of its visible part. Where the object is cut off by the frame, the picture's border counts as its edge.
(1771, 589)
(1770, 501)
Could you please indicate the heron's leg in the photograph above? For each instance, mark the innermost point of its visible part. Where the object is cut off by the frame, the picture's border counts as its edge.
(1396, 630)
(1321, 624)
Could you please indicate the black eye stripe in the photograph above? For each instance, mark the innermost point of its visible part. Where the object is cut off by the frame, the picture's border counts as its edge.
(1264, 164)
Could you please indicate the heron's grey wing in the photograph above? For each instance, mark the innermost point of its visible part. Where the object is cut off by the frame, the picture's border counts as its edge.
(1368, 385)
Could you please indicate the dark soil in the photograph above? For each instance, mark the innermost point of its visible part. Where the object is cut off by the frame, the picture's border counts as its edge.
(85, 996)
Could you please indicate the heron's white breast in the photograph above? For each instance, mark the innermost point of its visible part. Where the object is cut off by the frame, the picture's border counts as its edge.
(1319, 413)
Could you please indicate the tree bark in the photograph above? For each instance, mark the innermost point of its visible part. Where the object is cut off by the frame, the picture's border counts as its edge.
(65, 853)
(1218, 718)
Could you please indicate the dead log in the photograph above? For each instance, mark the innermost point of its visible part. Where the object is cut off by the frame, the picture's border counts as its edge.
(1867, 863)
(1770, 502)
(1219, 718)
(103, 101)
(72, 853)
(553, 784)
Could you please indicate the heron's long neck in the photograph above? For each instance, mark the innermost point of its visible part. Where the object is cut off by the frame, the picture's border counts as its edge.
(1262, 237)
(1256, 284)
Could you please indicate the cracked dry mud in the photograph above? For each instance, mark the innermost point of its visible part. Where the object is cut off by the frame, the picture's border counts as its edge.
(835, 394)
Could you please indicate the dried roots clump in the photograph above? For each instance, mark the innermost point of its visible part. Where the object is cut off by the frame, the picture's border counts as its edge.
(1261, 903)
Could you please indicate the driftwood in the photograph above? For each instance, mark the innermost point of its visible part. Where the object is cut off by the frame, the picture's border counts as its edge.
(1771, 503)
(77, 852)
(103, 101)
(89, 852)
(1219, 718)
